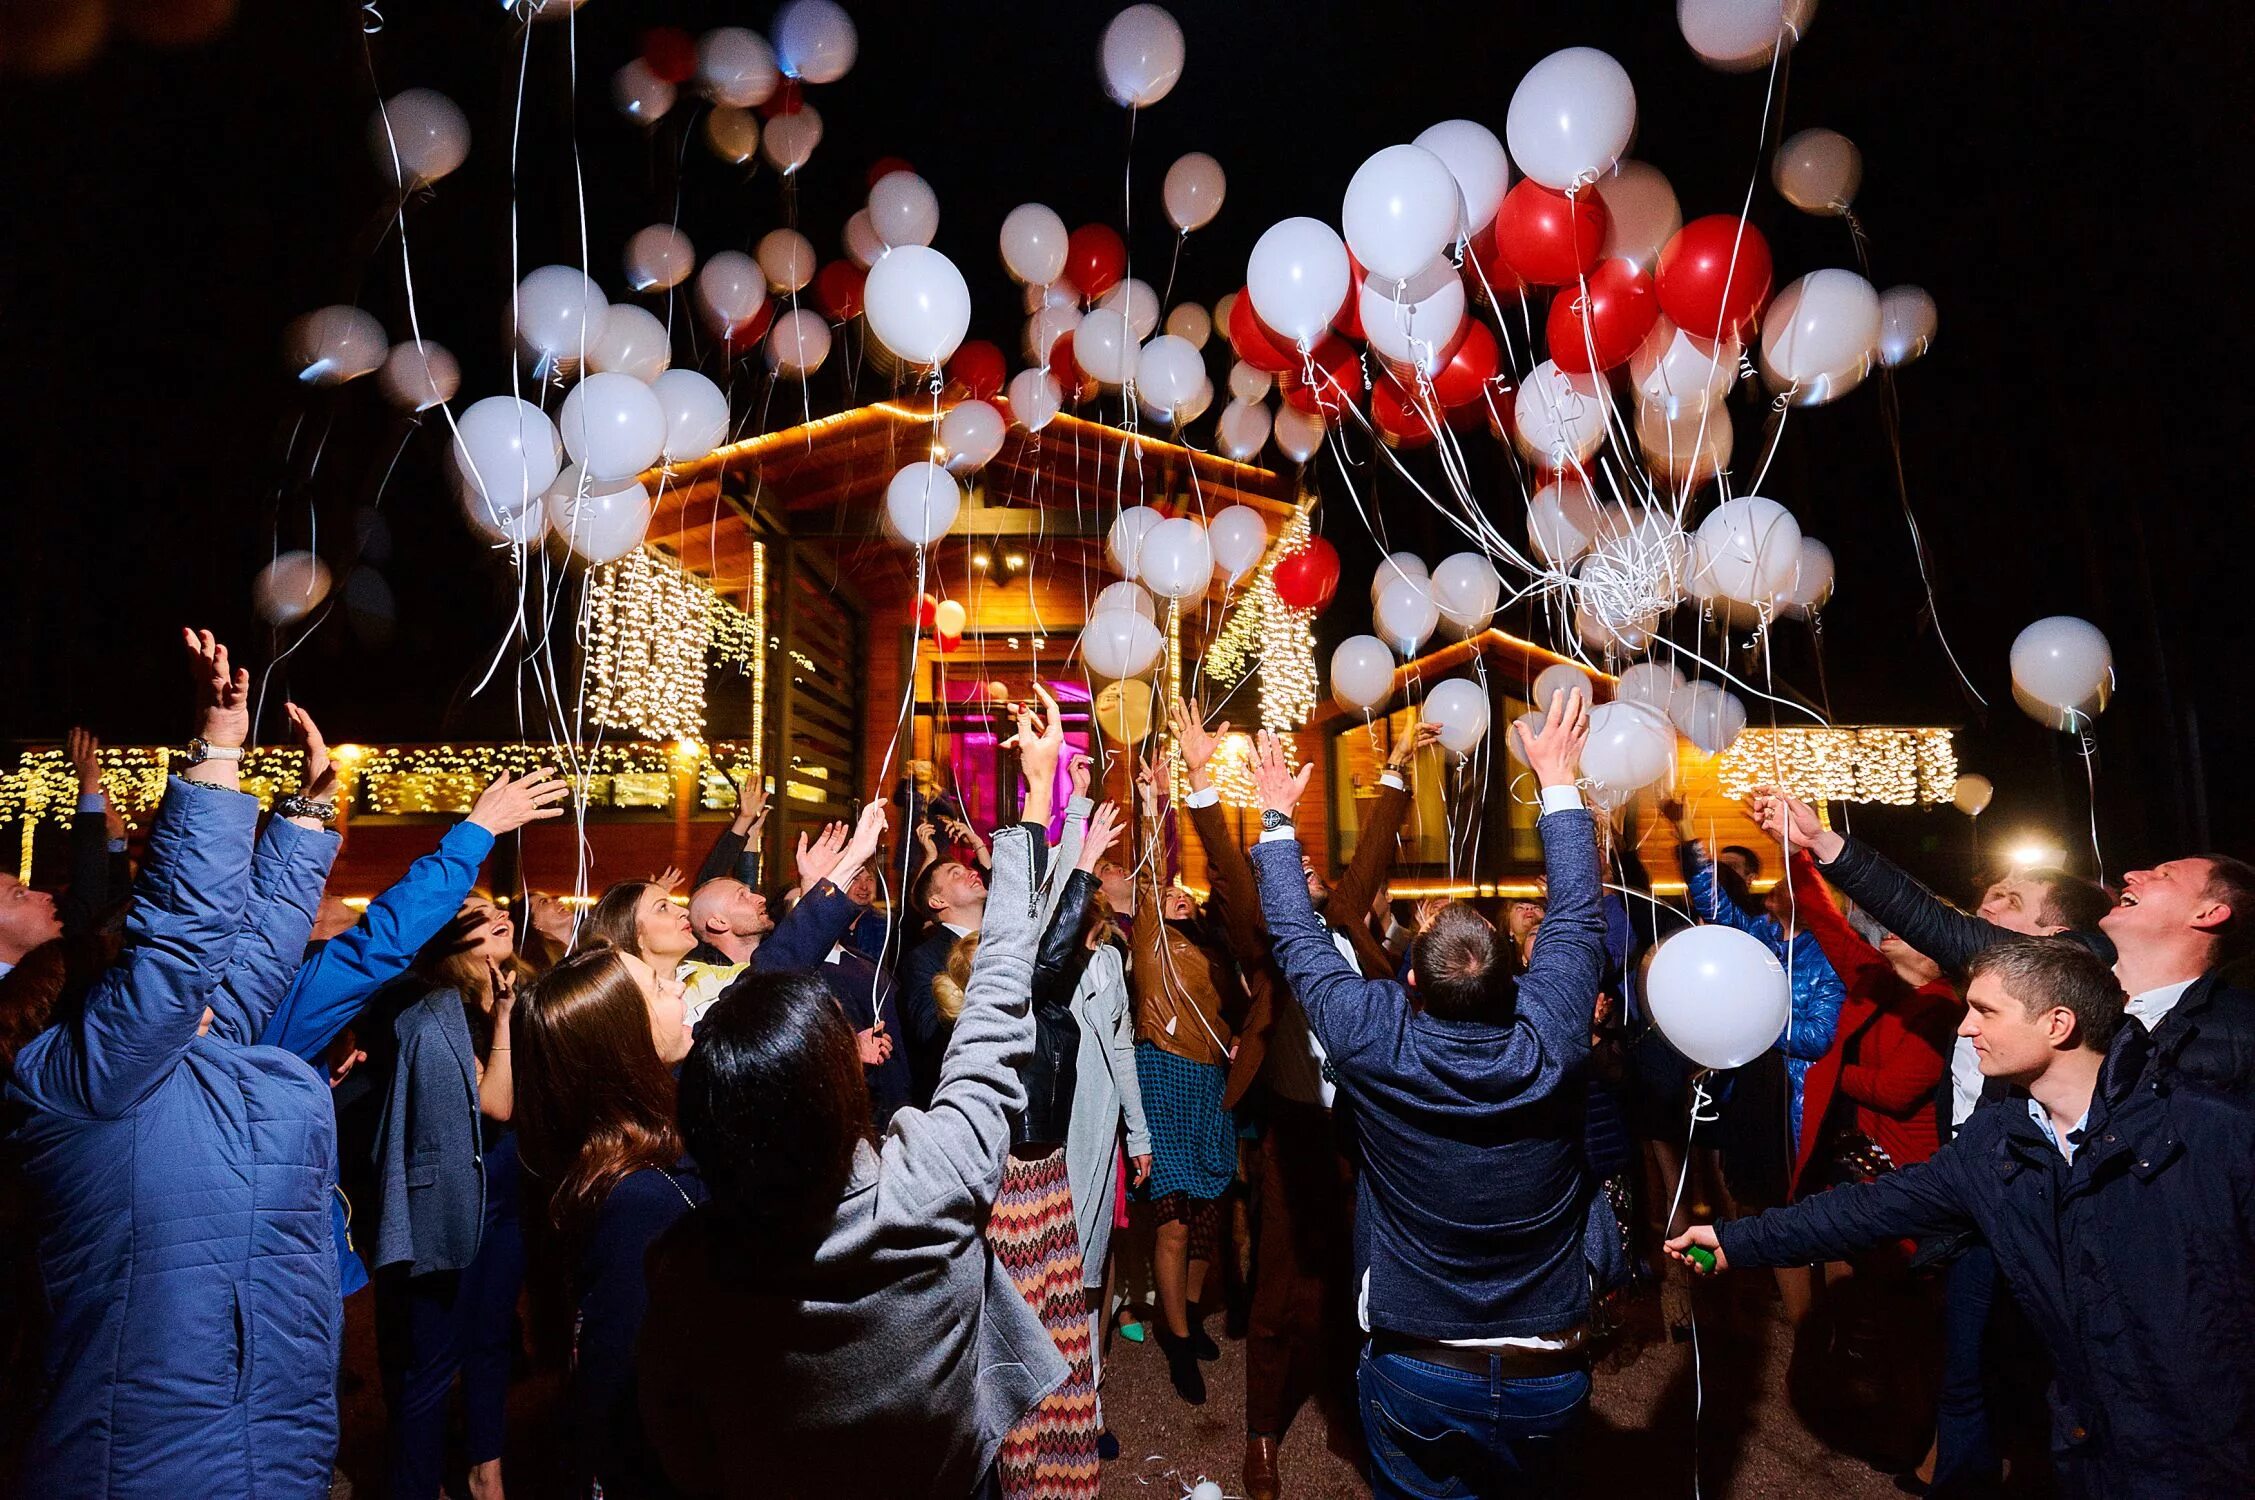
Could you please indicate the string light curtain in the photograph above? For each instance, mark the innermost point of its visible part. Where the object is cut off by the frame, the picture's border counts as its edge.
(649, 628)
(1842, 763)
(1264, 634)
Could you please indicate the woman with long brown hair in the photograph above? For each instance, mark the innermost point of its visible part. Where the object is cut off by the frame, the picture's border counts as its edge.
(599, 1039)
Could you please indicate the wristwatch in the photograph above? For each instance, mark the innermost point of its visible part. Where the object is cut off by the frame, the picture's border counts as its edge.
(1271, 820)
(200, 750)
(298, 805)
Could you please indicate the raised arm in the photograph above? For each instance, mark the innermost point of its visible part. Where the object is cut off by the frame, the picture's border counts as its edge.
(818, 923)
(1904, 907)
(1378, 842)
(1558, 993)
(1863, 970)
(1817, 998)
(88, 893)
(1063, 956)
(734, 845)
(1236, 901)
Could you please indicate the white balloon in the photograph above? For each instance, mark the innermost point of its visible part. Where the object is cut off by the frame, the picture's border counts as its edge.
(1970, 794)
(658, 257)
(522, 527)
(1562, 521)
(507, 451)
(641, 95)
(903, 209)
(1104, 347)
(1249, 384)
(860, 239)
(332, 345)
(1203, 397)
(1123, 544)
(1641, 214)
(696, 414)
(1460, 708)
(1628, 747)
(731, 289)
(921, 502)
(786, 258)
(1297, 277)
(1137, 302)
(1677, 373)
(1740, 34)
(1033, 244)
(1224, 305)
(1239, 537)
(1560, 677)
(2062, 671)
(1298, 434)
(1175, 559)
(1718, 995)
(1125, 594)
(1604, 630)
(419, 375)
(1421, 334)
(815, 40)
(1046, 327)
(917, 304)
(290, 587)
(1709, 716)
(1405, 614)
(1120, 643)
(971, 433)
(1362, 673)
(1651, 683)
(1559, 418)
(1035, 398)
(1402, 208)
(1193, 191)
(1476, 159)
(1393, 567)
(733, 134)
(798, 343)
(1571, 117)
(560, 313)
(613, 425)
(634, 343)
(1688, 450)
(1168, 372)
(418, 136)
(1748, 548)
(788, 141)
(599, 525)
(1811, 583)
(1818, 171)
(735, 67)
(1243, 429)
(1140, 56)
(1907, 319)
(1190, 323)
(1467, 588)
(1822, 333)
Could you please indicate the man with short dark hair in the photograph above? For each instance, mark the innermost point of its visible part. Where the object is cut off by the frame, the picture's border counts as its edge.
(1473, 1195)
(2121, 1211)
(950, 898)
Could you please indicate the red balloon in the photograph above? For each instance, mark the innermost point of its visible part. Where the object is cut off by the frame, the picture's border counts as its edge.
(1348, 320)
(1470, 369)
(1713, 276)
(1095, 258)
(1309, 577)
(927, 610)
(1256, 343)
(1394, 412)
(1609, 314)
(978, 368)
(1548, 238)
(837, 286)
(884, 167)
(671, 53)
(948, 643)
(788, 99)
(745, 336)
(1337, 382)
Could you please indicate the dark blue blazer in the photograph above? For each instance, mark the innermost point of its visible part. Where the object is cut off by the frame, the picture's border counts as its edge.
(430, 1159)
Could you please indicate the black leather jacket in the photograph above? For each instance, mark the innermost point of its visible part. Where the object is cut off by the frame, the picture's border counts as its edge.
(1052, 1070)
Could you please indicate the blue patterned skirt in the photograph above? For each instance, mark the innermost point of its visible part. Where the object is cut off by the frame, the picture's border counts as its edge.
(1193, 1138)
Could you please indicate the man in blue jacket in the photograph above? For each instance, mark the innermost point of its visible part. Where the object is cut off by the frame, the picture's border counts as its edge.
(2120, 1204)
(1469, 1109)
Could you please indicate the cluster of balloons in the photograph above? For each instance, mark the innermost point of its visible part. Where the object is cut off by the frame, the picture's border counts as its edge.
(746, 79)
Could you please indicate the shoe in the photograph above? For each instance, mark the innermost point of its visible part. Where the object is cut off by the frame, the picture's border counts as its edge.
(1131, 1330)
(1261, 1479)
(1202, 1343)
(1182, 1367)
(1107, 1446)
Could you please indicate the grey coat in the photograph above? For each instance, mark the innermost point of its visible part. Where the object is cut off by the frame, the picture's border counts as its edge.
(429, 1153)
(894, 1361)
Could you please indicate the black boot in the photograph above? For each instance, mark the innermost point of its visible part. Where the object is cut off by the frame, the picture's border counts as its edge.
(1182, 1367)
(1202, 1343)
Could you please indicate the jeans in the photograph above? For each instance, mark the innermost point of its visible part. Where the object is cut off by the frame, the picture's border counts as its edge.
(1437, 1432)
(1965, 1453)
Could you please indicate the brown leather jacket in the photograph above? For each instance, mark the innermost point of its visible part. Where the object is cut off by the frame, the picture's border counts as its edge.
(1185, 996)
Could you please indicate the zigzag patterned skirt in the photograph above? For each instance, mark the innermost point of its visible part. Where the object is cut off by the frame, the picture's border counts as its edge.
(1051, 1455)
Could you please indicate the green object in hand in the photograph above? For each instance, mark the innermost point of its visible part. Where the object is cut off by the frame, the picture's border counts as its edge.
(1701, 1257)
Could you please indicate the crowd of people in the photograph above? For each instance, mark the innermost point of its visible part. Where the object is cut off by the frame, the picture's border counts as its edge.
(808, 1193)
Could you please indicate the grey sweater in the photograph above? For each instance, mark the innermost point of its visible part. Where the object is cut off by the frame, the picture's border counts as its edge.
(895, 1362)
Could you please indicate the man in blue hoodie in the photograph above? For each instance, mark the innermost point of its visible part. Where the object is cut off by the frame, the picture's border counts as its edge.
(1469, 1112)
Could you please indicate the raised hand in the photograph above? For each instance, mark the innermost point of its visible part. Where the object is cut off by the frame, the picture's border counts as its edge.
(668, 879)
(927, 839)
(1554, 751)
(223, 690)
(1427, 909)
(1275, 783)
(1406, 746)
(1147, 789)
(320, 774)
(1078, 769)
(961, 832)
(868, 832)
(1103, 832)
(1197, 741)
(818, 859)
(1793, 823)
(85, 754)
(512, 802)
(1040, 739)
(751, 803)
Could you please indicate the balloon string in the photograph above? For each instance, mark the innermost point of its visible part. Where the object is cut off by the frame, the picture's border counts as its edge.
(2087, 748)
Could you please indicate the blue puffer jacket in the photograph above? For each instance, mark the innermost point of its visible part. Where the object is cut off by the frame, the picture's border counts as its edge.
(182, 1184)
(1817, 991)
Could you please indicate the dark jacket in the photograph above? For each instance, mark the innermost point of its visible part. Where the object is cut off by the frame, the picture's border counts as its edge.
(430, 1147)
(181, 1185)
(1052, 1072)
(925, 1037)
(810, 940)
(2136, 1266)
(1473, 1198)
(2209, 1036)
(613, 1293)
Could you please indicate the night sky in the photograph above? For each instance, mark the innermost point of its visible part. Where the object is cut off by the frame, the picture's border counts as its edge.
(2058, 177)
